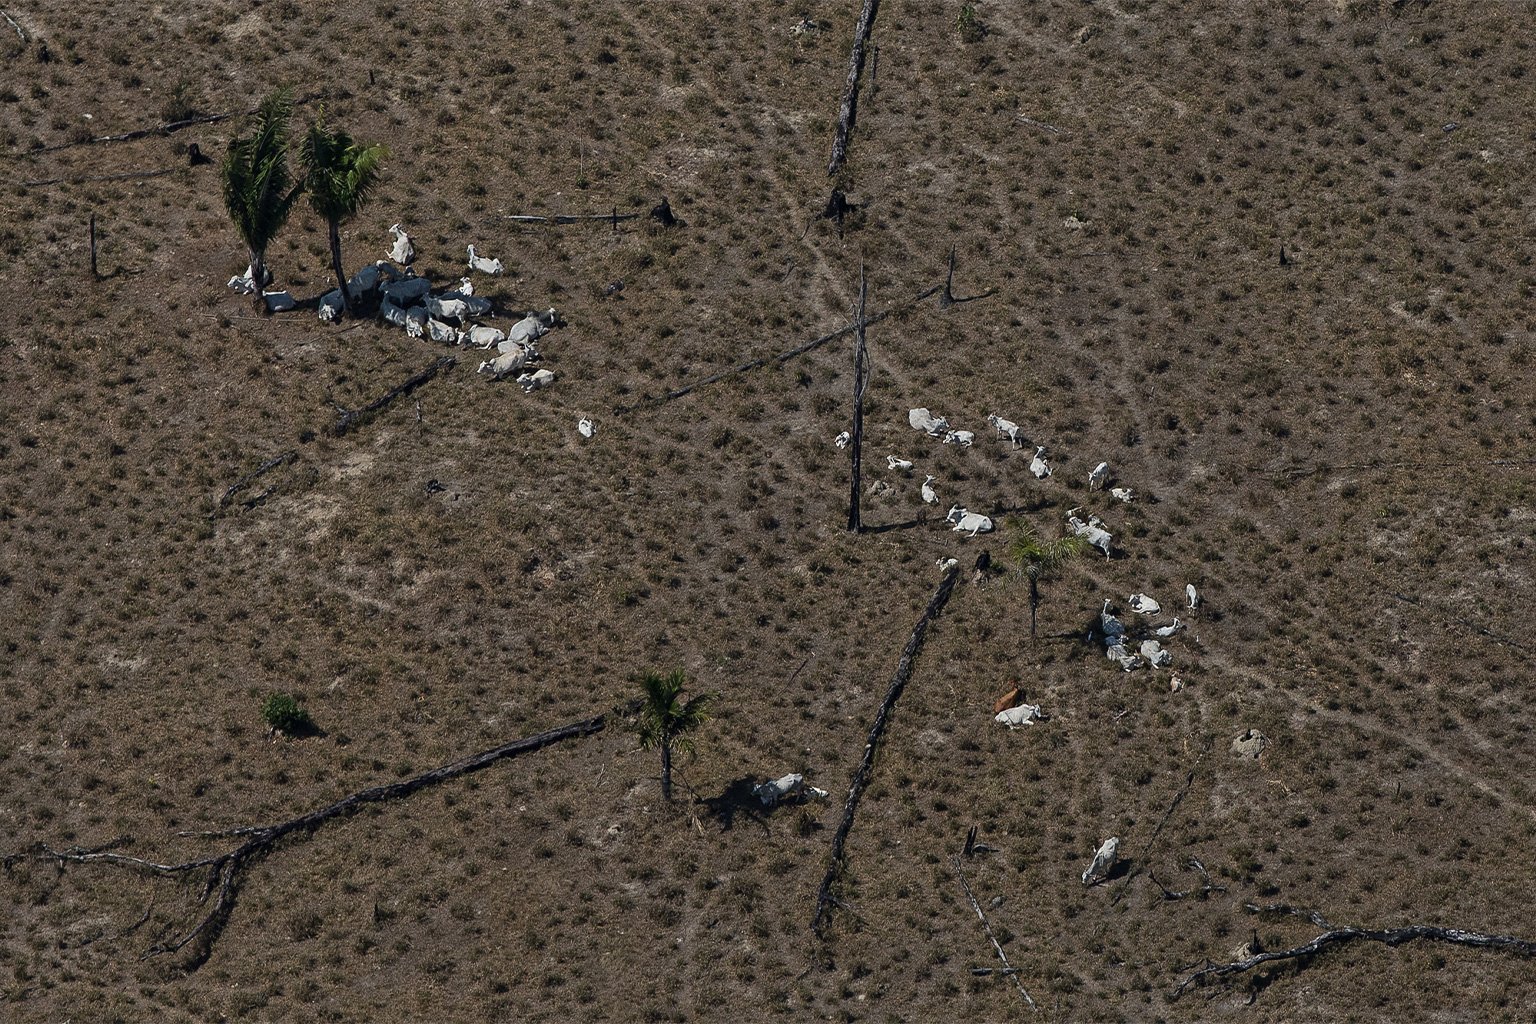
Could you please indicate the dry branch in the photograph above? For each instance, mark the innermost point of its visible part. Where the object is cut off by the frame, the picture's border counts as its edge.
(848, 113)
(1145, 855)
(1008, 968)
(1335, 937)
(568, 218)
(903, 673)
(223, 870)
(784, 357)
(125, 176)
(165, 129)
(239, 485)
(1469, 624)
(22, 35)
(350, 418)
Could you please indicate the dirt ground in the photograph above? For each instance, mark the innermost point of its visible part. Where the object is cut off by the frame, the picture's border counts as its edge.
(1272, 262)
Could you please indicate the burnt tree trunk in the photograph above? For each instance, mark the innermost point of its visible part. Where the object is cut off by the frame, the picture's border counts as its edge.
(849, 110)
(333, 233)
(824, 898)
(860, 385)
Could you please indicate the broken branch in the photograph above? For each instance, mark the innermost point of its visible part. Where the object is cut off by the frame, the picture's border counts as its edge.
(239, 485)
(986, 926)
(353, 417)
(224, 869)
(1335, 937)
(848, 112)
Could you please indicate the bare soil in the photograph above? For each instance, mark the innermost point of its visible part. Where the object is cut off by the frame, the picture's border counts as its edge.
(1335, 447)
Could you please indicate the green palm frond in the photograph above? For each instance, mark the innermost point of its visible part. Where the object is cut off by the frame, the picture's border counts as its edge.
(1036, 556)
(340, 174)
(664, 716)
(259, 190)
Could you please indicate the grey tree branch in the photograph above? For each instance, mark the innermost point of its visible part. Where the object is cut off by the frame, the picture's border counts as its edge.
(223, 870)
(986, 926)
(1335, 937)
(350, 418)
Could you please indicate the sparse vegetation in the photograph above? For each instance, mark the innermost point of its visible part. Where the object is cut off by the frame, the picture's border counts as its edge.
(283, 713)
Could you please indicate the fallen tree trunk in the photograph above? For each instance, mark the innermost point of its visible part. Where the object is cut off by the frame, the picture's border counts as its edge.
(1335, 937)
(223, 870)
(239, 485)
(848, 113)
(568, 218)
(824, 898)
(986, 926)
(350, 418)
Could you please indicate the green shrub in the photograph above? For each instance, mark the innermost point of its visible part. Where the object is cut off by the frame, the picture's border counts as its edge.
(284, 714)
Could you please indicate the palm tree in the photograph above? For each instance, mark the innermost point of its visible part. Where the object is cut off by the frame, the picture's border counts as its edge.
(666, 720)
(259, 190)
(340, 175)
(1039, 560)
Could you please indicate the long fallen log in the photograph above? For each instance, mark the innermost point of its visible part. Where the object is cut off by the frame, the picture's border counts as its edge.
(20, 33)
(1335, 937)
(903, 673)
(848, 113)
(986, 926)
(350, 418)
(568, 218)
(223, 870)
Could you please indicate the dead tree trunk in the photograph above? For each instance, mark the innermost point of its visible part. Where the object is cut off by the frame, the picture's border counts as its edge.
(221, 872)
(239, 485)
(848, 113)
(350, 418)
(1334, 937)
(986, 926)
(824, 898)
(860, 385)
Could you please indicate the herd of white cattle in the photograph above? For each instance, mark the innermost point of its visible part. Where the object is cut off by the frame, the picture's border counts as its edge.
(449, 316)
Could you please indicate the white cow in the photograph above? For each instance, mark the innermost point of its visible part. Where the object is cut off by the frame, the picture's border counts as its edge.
(441, 332)
(538, 379)
(930, 496)
(898, 465)
(964, 438)
(505, 364)
(1099, 477)
(278, 302)
(1038, 465)
(1122, 494)
(1104, 861)
(586, 428)
(1110, 626)
(391, 313)
(842, 440)
(1192, 595)
(483, 264)
(1024, 714)
(1155, 655)
(330, 306)
(776, 791)
(407, 292)
(1007, 428)
(402, 252)
(1170, 629)
(1092, 531)
(927, 422)
(1141, 604)
(965, 520)
(1121, 655)
(482, 337)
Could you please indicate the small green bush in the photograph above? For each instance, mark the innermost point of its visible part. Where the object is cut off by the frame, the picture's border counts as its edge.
(284, 714)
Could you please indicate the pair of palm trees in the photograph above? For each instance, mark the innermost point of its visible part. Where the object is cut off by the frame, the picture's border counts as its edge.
(260, 191)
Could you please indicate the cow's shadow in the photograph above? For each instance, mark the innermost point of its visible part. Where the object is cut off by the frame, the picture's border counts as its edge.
(737, 799)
